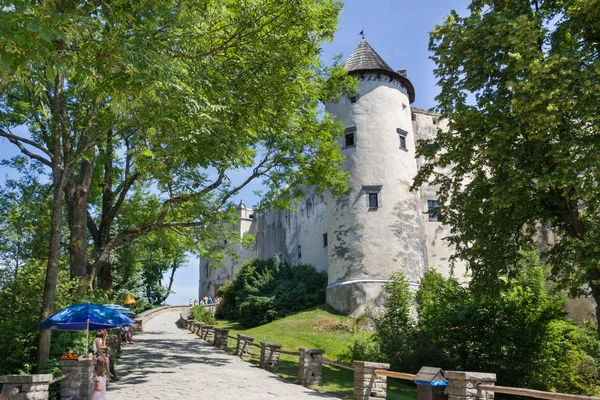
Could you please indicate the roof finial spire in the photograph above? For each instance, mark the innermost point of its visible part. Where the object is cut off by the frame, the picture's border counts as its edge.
(362, 33)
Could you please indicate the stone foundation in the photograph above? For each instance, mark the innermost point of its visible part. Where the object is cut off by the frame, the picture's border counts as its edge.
(354, 298)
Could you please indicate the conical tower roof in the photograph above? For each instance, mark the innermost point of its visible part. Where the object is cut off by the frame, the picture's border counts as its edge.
(364, 59)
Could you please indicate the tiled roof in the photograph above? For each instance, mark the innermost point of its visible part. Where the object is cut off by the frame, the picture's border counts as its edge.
(365, 58)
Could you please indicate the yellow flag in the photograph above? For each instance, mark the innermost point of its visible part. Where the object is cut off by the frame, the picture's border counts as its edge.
(129, 299)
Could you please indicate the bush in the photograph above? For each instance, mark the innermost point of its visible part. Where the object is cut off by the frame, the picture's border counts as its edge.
(263, 291)
(517, 331)
(201, 315)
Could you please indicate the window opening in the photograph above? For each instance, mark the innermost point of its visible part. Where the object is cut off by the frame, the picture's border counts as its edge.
(402, 136)
(373, 200)
(299, 252)
(373, 196)
(433, 210)
(324, 240)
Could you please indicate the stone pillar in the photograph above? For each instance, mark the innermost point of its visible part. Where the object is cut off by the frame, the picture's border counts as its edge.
(367, 385)
(209, 333)
(35, 387)
(197, 328)
(79, 382)
(221, 338)
(310, 367)
(244, 346)
(463, 385)
(269, 356)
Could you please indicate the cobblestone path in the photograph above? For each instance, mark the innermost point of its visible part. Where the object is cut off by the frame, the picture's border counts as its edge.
(167, 362)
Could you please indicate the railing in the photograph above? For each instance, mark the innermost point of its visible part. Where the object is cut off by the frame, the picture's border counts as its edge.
(370, 378)
(392, 374)
(538, 394)
(337, 363)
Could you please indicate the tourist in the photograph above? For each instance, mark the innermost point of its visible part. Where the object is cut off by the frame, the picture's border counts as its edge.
(99, 348)
(111, 360)
(128, 334)
(195, 302)
(191, 303)
(210, 300)
(99, 392)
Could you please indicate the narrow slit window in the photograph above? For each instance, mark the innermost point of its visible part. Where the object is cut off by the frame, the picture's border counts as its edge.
(325, 240)
(299, 252)
(402, 137)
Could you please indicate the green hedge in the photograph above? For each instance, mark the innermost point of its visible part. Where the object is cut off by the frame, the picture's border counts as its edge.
(263, 291)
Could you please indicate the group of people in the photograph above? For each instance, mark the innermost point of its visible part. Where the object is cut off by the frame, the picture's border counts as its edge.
(105, 365)
(205, 300)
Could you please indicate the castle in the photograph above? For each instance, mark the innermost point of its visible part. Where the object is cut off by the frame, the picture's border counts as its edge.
(381, 226)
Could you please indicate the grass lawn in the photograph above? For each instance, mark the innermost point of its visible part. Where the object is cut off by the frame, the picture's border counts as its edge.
(318, 328)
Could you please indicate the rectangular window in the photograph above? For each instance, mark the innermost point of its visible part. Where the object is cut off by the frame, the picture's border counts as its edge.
(324, 240)
(373, 200)
(433, 210)
(350, 137)
(373, 196)
(299, 252)
(402, 136)
(353, 98)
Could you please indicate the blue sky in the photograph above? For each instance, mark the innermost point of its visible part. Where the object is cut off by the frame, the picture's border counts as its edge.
(396, 29)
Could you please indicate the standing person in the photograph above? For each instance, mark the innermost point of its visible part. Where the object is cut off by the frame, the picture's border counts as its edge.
(99, 392)
(110, 357)
(191, 303)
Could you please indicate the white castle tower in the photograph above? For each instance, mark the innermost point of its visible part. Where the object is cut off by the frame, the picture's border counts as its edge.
(379, 227)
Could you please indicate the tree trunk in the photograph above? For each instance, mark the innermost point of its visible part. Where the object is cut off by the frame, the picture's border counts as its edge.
(105, 275)
(173, 269)
(77, 199)
(54, 253)
(60, 129)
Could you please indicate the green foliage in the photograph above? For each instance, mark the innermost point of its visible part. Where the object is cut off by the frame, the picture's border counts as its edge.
(200, 314)
(519, 88)
(517, 332)
(263, 291)
(395, 327)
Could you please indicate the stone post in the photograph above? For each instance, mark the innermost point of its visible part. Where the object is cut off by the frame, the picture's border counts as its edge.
(79, 382)
(310, 367)
(463, 385)
(209, 333)
(35, 387)
(269, 356)
(244, 346)
(197, 328)
(221, 338)
(367, 385)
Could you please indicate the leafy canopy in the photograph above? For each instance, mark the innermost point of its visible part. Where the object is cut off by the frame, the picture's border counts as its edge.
(520, 87)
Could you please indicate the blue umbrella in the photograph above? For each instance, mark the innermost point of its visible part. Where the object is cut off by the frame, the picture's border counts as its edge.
(85, 316)
(121, 309)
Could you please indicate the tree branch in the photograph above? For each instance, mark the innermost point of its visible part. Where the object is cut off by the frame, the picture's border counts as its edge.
(16, 140)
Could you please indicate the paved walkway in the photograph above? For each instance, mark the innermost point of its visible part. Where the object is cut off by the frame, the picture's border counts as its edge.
(167, 362)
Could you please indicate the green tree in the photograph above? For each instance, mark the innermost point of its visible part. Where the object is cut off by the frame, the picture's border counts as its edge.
(519, 87)
(185, 94)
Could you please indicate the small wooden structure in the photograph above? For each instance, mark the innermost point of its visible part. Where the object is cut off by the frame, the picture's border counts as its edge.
(431, 384)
